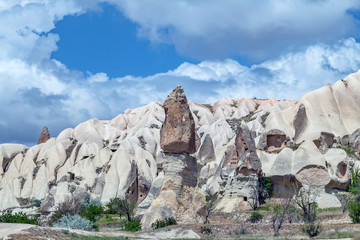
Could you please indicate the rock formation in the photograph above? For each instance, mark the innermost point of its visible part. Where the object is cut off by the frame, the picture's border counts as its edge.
(206, 153)
(300, 121)
(123, 157)
(44, 136)
(178, 130)
(179, 197)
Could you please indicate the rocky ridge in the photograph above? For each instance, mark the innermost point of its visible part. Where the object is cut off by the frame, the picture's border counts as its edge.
(227, 147)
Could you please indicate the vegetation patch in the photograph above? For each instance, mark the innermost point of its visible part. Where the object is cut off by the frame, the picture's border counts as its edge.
(255, 217)
(9, 217)
(133, 225)
(163, 223)
(206, 230)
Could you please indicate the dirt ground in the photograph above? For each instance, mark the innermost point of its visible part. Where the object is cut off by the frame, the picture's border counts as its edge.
(335, 225)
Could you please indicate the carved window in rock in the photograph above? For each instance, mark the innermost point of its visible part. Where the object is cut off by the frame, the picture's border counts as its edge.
(275, 140)
(234, 159)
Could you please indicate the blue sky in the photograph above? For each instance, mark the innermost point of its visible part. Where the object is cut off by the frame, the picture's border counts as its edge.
(64, 62)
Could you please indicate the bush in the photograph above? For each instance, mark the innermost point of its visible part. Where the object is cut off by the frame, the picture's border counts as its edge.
(206, 230)
(163, 223)
(354, 211)
(20, 217)
(255, 217)
(70, 206)
(133, 225)
(312, 229)
(354, 187)
(92, 212)
(75, 222)
(268, 187)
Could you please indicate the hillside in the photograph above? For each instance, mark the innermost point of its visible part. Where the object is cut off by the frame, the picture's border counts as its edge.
(295, 142)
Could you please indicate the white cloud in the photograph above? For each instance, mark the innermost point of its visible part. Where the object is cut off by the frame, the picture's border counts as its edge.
(36, 90)
(25, 26)
(254, 28)
(287, 77)
(98, 78)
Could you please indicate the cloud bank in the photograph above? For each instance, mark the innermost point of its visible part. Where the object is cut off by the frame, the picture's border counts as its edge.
(36, 90)
(253, 28)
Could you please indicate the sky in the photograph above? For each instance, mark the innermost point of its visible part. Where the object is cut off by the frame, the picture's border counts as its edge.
(64, 62)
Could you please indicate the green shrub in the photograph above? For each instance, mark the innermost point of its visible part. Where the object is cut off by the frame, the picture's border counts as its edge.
(354, 187)
(163, 223)
(20, 217)
(255, 217)
(75, 222)
(92, 212)
(312, 229)
(133, 225)
(264, 208)
(266, 189)
(206, 230)
(354, 211)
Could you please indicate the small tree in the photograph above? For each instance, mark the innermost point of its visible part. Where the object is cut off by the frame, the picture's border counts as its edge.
(209, 208)
(354, 187)
(254, 201)
(280, 211)
(266, 189)
(345, 199)
(121, 207)
(305, 200)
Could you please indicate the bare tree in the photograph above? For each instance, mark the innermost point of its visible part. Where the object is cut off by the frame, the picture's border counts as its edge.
(254, 201)
(280, 211)
(305, 200)
(345, 199)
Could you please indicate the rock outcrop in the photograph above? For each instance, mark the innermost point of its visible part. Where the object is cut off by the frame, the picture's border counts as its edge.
(44, 136)
(179, 197)
(300, 121)
(123, 157)
(178, 130)
(206, 152)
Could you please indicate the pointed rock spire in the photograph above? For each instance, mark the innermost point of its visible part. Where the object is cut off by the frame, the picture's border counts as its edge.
(177, 134)
(44, 136)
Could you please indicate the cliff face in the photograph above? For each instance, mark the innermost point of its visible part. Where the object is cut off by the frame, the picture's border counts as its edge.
(231, 140)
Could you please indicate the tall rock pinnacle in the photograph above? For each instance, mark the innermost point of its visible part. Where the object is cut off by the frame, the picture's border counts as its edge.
(44, 136)
(178, 130)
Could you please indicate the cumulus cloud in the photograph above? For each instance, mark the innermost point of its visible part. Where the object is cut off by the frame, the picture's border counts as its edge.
(253, 28)
(98, 77)
(36, 90)
(286, 77)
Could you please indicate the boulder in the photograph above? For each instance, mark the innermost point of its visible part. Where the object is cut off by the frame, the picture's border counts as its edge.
(44, 136)
(177, 134)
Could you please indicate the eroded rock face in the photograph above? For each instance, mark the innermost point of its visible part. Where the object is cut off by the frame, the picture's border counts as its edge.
(240, 178)
(249, 162)
(325, 141)
(177, 134)
(300, 121)
(206, 152)
(314, 176)
(44, 136)
(179, 197)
